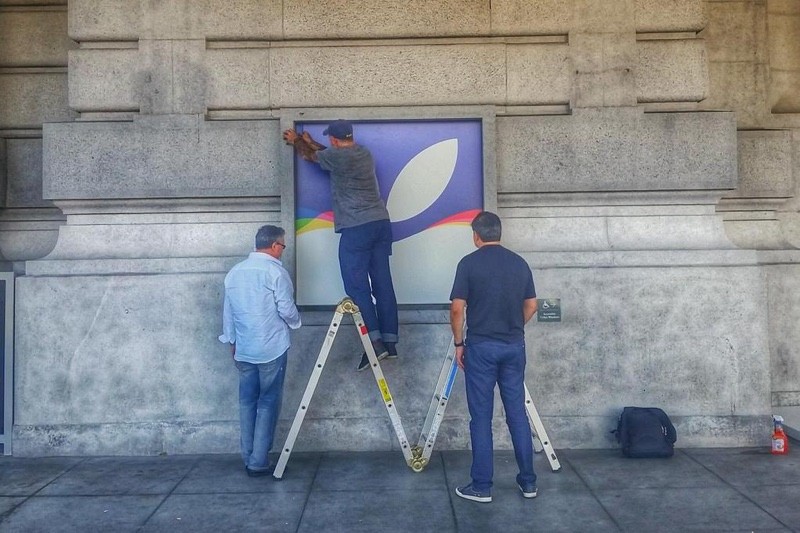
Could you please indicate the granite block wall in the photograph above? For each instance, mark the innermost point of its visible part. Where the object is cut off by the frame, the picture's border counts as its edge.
(644, 154)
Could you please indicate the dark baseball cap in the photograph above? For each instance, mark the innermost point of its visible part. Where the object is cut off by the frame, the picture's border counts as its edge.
(341, 129)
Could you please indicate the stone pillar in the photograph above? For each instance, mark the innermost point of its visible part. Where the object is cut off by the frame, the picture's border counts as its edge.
(33, 61)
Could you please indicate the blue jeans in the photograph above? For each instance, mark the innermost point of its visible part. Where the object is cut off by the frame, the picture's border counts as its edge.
(260, 394)
(364, 252)
(487, 363)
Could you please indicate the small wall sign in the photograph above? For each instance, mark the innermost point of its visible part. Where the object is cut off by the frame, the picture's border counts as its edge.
(549, 310)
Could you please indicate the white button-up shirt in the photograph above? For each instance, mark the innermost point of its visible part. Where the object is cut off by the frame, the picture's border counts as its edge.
(259, 309)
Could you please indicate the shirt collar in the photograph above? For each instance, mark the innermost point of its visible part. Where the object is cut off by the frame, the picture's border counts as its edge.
(262, 256)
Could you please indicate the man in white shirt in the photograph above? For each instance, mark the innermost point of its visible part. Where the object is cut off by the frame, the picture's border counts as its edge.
(258, 312)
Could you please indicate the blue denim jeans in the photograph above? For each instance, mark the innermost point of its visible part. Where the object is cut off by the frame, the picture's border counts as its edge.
(364, 252)
(486, 364)
(260, 394)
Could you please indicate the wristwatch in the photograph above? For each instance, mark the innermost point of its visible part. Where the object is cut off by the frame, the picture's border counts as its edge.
(458, 344)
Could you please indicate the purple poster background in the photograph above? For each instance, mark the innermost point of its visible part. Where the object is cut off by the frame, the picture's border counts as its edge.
(440, 164)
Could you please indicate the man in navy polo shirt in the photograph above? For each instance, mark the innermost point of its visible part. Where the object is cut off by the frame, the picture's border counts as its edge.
(496, 286)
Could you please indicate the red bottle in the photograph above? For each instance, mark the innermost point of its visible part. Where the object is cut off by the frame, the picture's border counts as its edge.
(780, 442)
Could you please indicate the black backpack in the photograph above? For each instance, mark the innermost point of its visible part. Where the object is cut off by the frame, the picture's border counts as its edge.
(645, 432)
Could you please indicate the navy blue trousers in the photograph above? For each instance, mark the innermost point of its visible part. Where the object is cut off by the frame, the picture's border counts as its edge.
(486, 364)
(364, 252)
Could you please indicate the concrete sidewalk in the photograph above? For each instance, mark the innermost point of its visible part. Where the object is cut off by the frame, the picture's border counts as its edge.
(596, 490)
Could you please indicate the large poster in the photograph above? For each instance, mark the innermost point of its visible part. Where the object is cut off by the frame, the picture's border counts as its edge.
(430, 175)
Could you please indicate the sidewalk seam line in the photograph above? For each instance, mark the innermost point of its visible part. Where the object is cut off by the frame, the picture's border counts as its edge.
(746, 497)
(591, 491)
(166, 496)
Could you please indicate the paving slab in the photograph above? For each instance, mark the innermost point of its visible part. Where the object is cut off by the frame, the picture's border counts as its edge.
(263, 512)
(749, 466)
(378, 510)
(608, 469)
(80, 514)
(781, 501)
(685, 509)
(368, 471)
(564, 503)
(121, 475)
(9, 503)
(26, 476)
(596, 490)
(226, 474)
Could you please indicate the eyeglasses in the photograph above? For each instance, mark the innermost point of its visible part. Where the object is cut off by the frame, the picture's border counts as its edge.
(280, 244)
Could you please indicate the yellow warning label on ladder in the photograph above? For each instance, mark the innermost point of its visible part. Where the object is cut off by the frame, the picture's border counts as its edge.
(387, 396)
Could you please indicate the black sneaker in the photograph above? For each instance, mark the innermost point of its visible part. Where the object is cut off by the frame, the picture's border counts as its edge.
(468, 493)
(261, 473)
(380, 349)
(380, 352)
(364, 364)
(528, 491)
(391, 347)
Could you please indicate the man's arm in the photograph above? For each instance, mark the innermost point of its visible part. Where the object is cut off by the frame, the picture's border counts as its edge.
(228, 331)
(284, 301)
(529, 308)
(457, 307)
(303, 145)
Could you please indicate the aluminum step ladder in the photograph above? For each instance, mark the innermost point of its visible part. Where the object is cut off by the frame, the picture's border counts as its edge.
(421, 453)
(345, 307)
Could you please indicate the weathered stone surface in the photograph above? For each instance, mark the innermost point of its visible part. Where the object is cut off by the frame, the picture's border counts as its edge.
(189, 78)
(105, 20)
(388, 75)
(29, 99)
(604, 17)
(154, 338)
(736, 31)
(615, 150)
(238, 78)
(378, 19)
(672, 71)
(783, 282)
(161, 157)
(765, 165)
(521, 17)
(34, 38)
(678, 15)
(24, 185)
(783, 94)
(539, 74)
(739, 87)
(642, 343)
(153, 236)
(112, 20)
(28, 233)
(784, 34)
(104, 80)
(604, 66)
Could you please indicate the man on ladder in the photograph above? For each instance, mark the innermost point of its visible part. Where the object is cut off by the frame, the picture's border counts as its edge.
(497, 286)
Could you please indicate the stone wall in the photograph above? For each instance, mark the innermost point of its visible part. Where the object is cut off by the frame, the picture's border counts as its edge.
(645, 157)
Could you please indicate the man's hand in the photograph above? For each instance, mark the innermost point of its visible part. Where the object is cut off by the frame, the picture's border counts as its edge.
(304, 145)
(460, 357)
(233, 351)
(311, 142)
(290, 136)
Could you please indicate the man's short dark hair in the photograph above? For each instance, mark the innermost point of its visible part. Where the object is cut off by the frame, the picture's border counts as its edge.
(268, 235)
(487, 225)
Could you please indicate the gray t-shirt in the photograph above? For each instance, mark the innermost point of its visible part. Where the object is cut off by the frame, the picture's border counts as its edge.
(354, 186)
